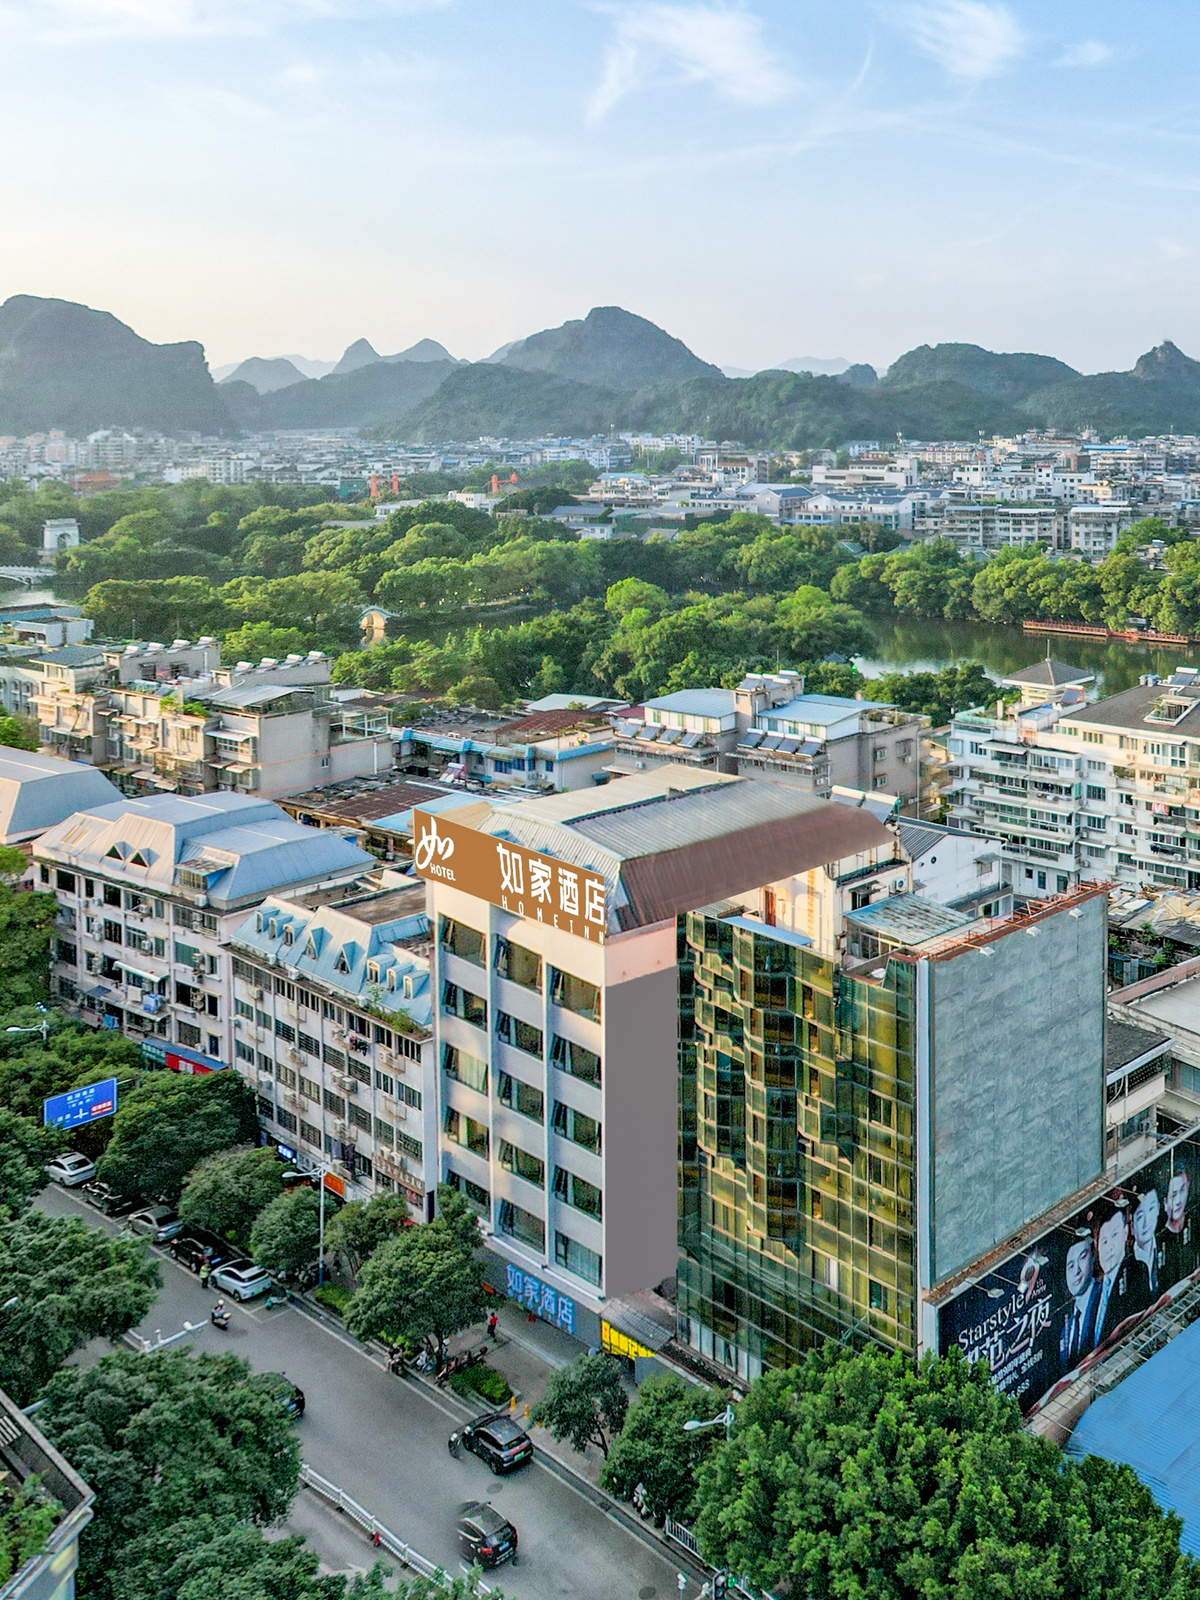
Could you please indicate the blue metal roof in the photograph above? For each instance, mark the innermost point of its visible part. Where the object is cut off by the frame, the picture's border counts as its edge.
(1151, 1422)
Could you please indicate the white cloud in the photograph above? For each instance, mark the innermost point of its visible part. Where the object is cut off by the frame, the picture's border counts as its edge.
(1090, 53)
(714, 44)
(971, 39)
(186, 18)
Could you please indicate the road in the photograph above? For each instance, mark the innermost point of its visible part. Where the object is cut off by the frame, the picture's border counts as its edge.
(383, 1440)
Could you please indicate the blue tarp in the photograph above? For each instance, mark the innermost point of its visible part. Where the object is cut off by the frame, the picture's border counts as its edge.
(1151, 1422)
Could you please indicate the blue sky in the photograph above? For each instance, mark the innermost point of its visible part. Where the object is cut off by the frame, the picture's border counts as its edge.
(764, 179)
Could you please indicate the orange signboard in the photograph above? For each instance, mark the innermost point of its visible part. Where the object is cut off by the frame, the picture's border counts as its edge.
(335, 1185)
(524, 882)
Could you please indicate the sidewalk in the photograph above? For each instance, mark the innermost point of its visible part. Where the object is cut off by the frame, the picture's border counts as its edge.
(527, 1352)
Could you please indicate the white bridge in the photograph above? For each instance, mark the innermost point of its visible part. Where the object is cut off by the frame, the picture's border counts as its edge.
(29, 576)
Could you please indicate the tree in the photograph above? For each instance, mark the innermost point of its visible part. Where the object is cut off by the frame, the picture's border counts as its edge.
(865, 1476)
(72, 1055)
(70, 1284)
(422, 1284)
(254, 640)
(24, 1149)
(227, 1191)
(457, 1213)
(356, 1231)
(26, 929)
(27, 1519)
(286, 1234)
(653, 1449)
(160, 1439)
(169, 1124)
(584, 1402)
(19, 732)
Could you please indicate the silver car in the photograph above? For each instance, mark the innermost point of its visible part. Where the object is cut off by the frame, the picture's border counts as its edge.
(159, 1223)
(242, 1279)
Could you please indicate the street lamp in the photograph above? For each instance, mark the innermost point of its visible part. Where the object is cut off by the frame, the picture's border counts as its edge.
(42, 1027)
(723, 1419)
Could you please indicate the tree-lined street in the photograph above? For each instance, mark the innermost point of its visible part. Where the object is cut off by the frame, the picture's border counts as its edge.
(383, 1440)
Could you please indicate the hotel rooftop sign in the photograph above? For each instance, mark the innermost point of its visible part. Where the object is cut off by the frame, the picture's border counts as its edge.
(523, 882)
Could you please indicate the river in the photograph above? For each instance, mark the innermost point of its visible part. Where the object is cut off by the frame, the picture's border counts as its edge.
(906, 644)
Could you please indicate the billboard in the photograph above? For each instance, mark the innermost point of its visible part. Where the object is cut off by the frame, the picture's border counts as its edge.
(80, 1106)
(1054, 1308)
(518, 880)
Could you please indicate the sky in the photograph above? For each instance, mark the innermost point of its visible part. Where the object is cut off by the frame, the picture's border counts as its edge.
(764, 179)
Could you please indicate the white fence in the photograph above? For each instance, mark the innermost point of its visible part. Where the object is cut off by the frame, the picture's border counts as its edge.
(381, 1536)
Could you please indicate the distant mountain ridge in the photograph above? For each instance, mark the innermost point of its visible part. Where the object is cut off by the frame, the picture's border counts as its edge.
(64, 365)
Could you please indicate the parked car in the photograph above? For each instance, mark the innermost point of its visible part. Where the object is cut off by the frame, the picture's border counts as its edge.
(159, 1223)
(242, 1279)
(484, 1536)
(70, 1169)
(290, 1396)
(499, 1442)
(107, 1199)
(194, 1246)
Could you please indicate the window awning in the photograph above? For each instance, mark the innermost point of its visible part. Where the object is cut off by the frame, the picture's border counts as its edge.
(140, 972)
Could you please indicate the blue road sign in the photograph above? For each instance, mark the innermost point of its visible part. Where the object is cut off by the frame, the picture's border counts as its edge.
(78, 1106)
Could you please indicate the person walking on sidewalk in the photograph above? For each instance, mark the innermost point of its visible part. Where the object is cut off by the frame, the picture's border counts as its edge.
(493, 1324)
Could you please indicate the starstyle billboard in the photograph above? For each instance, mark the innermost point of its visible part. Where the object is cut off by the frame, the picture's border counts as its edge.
(1053, 1309)
(516, 879)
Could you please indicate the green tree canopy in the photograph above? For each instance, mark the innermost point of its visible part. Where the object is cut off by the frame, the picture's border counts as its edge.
(254, 640)
(421, 1284)
(71, 1283)
(286, 1233)
(862, 1477)
(26, 929)
(169, 1124)
(72, 1055)
(356, 1231)
(653, 1449)
(21, 733)
(161, 1440)
(584, 1402)
(227, 1191)
(25, 1147)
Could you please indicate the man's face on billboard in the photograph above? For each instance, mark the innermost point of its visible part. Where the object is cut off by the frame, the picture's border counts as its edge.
(1110, 1243)
(1145, 1218)
(1177, 1198)
(1079, 1267)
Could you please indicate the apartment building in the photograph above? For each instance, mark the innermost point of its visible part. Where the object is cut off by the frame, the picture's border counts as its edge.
(1076, 791)
(1093, 530)
(556, 988)
(549, 750)
(861, 1114)
(332, 1011)
(175, 720)
(37, 792)
(999, 525)
(151, 891)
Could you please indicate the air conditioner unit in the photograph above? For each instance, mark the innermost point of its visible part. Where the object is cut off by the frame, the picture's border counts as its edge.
(259, 995)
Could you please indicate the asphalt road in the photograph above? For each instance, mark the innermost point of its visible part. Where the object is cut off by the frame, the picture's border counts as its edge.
(382, 1439)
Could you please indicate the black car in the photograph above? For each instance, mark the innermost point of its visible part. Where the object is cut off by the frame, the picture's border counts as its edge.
(107, 1199)
(499, 1442)
(290, 1396)
(194, 1246)
(484, 1536)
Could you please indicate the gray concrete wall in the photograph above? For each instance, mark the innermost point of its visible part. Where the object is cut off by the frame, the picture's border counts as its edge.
(1016, 1080)
(640, 1134)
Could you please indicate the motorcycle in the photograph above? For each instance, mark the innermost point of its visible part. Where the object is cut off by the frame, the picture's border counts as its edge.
(219, 1316)
(281, 1296)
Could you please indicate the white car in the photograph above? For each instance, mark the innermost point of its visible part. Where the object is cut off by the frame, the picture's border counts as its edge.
(242, 1279)
(70, 1169)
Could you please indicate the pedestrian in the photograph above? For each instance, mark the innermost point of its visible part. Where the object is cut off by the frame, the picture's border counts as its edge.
(493, 1324)
(205, 1274)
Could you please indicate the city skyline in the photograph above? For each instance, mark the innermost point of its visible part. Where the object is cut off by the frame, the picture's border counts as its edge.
(761, 180)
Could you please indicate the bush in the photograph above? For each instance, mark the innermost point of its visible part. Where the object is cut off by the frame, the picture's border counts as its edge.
(484, 1381)
(333, 1296)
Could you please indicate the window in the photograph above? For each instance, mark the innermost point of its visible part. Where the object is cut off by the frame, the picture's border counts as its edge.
(334, 1058)
(243, 1008)
(522, 1225)
(190, 1035)
(879, 1110)
(266, 1109)
(309, 1045)
(360, 1073)
(462, 1003)
(307, 1000)
(310, 1089)
(577, 1258)
(577, 1060)
(521, 1035)
(286, 1077)
(65, 881)
(410, 1097)
(466, 943)
(522, 1097)
(384, 1132)
(578, 1192)
(285, 1031)
(465, 1068)
(382, 1036)
(409, 1146)
(575, 994)
(243, 1052)
(475, 1192)
(879, 781)
(878, 1296)
(286, 1120)
(310, 1135)
(1096, 793)
(112, 895)
(385, 1083)
(265, 1064)
(879, 753)
(514, 1159)
(465, 1131)
(518, 965)
(335, 1104)
(359, 1117)
(578, 1127)
(114, 932)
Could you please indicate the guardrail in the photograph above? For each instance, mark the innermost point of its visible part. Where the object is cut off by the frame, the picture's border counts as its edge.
(380, 1535)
